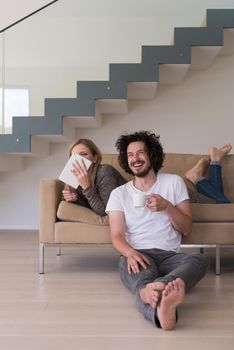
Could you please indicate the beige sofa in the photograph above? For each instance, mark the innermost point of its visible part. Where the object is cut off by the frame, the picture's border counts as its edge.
(213, 224)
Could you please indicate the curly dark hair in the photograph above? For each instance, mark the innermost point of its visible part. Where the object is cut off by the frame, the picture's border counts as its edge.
(153, 148)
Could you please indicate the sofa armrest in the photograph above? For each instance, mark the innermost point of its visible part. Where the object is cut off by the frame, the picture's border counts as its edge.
(50, 197)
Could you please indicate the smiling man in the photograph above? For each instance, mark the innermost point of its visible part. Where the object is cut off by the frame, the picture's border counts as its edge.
(148, 237)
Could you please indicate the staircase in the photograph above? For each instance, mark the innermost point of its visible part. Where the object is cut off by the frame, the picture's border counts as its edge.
(193, 48)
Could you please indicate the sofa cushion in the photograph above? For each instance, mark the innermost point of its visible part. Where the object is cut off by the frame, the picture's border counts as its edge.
(212, 212)
(76, 213)
(81, 233)
(210, 233)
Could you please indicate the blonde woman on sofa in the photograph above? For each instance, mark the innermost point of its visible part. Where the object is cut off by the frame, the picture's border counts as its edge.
(96, 183)
(212, 187)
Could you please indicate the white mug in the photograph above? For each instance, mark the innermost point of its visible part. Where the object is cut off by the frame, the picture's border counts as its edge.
(139, 199)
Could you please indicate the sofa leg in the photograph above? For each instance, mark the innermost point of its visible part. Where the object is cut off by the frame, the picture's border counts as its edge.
(217, 259)
(41, 258)
(59, 250)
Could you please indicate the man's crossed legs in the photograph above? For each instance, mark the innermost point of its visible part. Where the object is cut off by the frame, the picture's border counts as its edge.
(161, 287)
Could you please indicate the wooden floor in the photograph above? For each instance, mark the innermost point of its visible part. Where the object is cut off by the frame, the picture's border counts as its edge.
(81, 304)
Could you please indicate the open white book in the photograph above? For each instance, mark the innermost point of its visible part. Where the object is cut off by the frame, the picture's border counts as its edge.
(67, 175)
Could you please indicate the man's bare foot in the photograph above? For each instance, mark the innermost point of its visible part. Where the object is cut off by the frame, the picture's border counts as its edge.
(152, 293)
(172, 296)
(198, 170)
(217, 154)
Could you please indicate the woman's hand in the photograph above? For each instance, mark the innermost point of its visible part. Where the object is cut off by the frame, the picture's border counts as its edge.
(69, 194)
(81, 173)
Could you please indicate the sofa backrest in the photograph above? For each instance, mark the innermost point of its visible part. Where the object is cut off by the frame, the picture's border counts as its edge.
(112, 159)
(178, 163)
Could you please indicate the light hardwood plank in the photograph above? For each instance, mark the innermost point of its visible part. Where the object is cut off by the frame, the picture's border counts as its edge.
(80, 303)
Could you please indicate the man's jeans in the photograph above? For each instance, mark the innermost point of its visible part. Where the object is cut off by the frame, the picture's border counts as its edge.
(165, 266)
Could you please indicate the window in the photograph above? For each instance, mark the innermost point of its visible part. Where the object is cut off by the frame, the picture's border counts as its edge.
(16, 104)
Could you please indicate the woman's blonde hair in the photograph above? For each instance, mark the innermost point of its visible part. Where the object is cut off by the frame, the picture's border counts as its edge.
(95, 152)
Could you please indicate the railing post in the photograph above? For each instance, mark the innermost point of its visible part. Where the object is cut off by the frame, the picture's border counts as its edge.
(2, 130)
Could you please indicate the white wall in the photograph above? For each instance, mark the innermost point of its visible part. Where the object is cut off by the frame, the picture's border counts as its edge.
(12, 10)
(189, 117)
